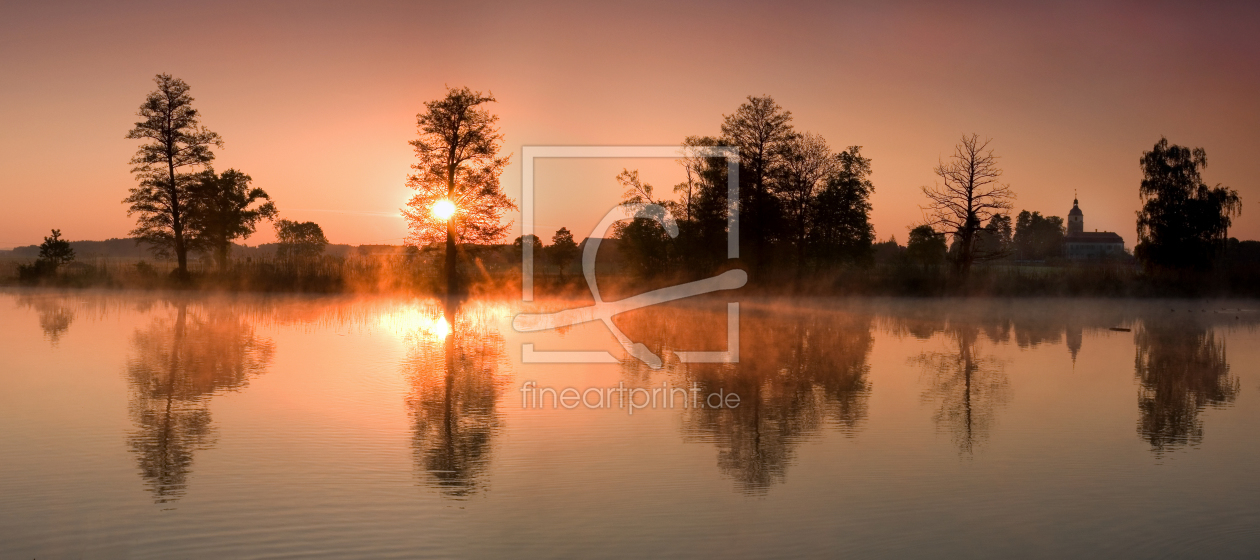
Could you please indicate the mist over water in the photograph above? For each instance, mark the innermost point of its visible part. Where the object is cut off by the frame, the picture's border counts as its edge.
(140, 425)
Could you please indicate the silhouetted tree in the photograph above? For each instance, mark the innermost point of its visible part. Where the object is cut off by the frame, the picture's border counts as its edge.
(926, 247)
(1037, 237)
(56, 251)
(840, 227)
(53, 253)
(645, 245)
(176, 141)
(458, 153)
(702, 210)
(807, 166)
(762, 131)
(888, 251)
(1183, 222)
(694, 163)
(968, 196)
(533, 240)
(221, 209)
(994, 241)
(299, 240)
(562, 250)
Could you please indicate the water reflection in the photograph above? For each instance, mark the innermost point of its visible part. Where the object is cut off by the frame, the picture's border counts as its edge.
(800, 370)
(967, 387)
(805, 372)
(55, 315)
(452, 365)
(177, 364)
(1182, 369)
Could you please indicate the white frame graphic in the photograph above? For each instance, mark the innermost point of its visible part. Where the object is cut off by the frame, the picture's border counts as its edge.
(602, 310)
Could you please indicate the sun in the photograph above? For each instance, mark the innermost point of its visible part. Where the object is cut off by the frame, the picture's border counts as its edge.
(443, 209)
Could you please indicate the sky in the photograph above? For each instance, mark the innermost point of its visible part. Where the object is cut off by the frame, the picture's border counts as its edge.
(318, 102)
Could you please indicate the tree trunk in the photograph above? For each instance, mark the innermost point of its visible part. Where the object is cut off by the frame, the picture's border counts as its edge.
(800, 242)
(177, 225)
(452, 272)
(221, 258)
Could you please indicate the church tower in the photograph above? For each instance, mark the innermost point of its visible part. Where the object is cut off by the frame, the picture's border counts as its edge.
(1076, 220)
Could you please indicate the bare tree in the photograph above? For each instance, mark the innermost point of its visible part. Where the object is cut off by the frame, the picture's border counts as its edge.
(968, 196)
(636, 191)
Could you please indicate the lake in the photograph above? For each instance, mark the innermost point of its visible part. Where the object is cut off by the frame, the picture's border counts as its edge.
(143, 425)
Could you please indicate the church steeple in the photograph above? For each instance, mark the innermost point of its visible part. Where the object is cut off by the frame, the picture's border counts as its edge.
(1076, 218)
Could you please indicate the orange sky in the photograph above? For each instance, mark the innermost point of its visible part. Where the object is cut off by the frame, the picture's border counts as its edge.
(317, 103)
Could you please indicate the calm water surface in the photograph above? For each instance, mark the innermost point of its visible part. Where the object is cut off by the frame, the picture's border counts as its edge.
(147, 426)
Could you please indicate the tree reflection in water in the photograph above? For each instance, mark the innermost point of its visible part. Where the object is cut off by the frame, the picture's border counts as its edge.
(966, 386)
(55, 315)
(453, 367)
(177, 364)
(1182, 370)
(800, 371)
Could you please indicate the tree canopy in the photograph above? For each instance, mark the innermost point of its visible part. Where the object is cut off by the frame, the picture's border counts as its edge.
(175, 145)
(56, 251)
(801, 205)
(563, 249)
(299, 240)
(458, 160)
(762, 131)
(221, 209)
(458, 166)
(925, 246)
(1038, 237)
(1183, 222)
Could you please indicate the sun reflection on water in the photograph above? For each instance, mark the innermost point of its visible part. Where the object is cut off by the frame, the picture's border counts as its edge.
(419, 322)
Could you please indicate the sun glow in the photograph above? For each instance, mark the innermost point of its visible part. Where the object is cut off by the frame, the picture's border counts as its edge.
(418, 323)
(428, 322)
(443, 209)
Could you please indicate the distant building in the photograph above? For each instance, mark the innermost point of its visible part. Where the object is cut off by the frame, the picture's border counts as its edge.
(1086, 245)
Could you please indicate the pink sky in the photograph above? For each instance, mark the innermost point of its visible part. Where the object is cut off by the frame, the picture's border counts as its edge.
(317, 103)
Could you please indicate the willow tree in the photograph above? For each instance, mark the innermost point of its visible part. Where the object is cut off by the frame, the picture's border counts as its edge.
(458, 196)
(1183, 223)
(968, 196)
(177, 144)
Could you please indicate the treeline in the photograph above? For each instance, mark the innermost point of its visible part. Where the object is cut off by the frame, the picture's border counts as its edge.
(803, 207)
(1034, 238)
(803, 210)
(181, 204)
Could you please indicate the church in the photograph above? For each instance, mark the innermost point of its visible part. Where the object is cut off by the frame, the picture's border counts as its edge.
(1085, 245)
